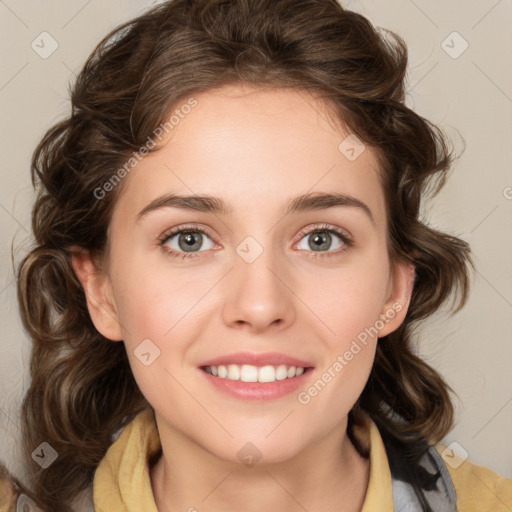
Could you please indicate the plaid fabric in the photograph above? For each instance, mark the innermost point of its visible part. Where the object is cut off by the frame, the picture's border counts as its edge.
(439, 492)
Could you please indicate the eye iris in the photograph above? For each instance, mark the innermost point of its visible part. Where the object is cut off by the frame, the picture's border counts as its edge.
(190, 241)
(320, 240)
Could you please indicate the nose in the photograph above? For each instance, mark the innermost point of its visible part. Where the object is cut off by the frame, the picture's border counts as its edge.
(259, 294)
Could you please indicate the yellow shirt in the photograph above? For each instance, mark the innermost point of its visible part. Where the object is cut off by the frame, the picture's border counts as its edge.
(122, 482)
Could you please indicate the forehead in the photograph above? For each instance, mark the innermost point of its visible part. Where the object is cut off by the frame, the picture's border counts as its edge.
(255, 148)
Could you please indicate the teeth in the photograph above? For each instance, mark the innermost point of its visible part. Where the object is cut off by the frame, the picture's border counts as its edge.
(249, 373)
(266, 374)
(281, 372)
(233, 372)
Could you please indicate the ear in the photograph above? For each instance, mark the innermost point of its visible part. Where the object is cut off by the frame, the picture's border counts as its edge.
(98, 293)
(400, 288)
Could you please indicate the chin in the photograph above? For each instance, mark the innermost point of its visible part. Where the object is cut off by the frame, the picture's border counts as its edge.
(258, 450)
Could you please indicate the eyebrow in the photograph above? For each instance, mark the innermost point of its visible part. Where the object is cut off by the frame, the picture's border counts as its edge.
(211, 204)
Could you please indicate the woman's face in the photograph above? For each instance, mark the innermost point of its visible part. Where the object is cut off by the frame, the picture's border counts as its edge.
(252, 287)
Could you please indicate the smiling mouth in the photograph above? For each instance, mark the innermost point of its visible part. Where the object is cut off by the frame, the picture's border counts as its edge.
(250, 373)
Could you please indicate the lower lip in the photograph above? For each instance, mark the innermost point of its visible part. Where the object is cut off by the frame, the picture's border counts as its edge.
(257, 390)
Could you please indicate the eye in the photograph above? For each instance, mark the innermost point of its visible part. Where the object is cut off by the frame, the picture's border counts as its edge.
(321, 240)
(185, 241)
(188, 241)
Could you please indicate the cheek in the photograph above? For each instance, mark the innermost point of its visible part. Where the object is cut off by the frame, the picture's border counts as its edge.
(350, 310)
(151, 300)
(347, 301)
(162, 307)
(349, 304)
(155, 320)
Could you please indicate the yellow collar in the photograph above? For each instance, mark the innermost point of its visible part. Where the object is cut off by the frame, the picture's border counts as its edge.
(122, 482)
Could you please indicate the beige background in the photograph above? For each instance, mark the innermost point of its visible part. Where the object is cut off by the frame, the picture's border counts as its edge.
(470, 95)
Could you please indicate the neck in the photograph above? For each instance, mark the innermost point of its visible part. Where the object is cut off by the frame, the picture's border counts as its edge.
(328, 476)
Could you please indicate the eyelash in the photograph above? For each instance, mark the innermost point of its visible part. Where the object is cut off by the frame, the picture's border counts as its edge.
(347, 241)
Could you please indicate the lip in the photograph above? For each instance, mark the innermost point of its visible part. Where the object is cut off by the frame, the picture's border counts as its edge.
(257, 390)
(255, 359)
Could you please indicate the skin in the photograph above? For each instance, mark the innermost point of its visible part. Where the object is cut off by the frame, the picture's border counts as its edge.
(256, 149)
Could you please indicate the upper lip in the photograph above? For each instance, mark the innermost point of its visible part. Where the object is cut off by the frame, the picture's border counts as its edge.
(261, 359)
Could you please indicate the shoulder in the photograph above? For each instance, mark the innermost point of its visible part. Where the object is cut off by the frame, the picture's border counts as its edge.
(12, 495)
(8, 492)
(478, 488)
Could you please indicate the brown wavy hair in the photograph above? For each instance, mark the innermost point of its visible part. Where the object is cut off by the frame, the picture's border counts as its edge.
(82, 390)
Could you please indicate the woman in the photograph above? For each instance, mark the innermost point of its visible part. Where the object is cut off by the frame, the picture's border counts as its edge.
(229, 267)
